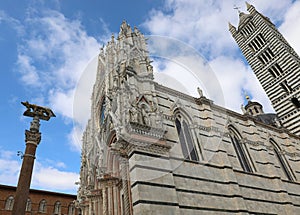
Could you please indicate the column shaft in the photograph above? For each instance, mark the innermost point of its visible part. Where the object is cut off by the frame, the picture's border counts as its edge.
(22, 193)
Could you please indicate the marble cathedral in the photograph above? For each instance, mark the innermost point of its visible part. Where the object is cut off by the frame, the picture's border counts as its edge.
(150, 149)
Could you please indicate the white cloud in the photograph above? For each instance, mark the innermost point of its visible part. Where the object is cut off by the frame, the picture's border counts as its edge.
(202, 24)
(12, 22)
(273, 9)
(236, 80)
(60, 47)
(9, 167)
(28, 71)
(75, 136)
(52, 59)
(288, 29)
(61, 102)
(47, 175)
(51, 178)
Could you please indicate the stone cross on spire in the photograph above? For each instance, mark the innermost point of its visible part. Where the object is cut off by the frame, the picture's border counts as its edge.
(237, 8)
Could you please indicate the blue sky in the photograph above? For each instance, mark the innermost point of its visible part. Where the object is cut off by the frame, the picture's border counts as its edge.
(47, 51)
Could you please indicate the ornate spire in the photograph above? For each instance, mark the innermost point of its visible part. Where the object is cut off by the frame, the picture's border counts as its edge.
(128, 49)
(248, 5)
(250, 8)
(252, 108)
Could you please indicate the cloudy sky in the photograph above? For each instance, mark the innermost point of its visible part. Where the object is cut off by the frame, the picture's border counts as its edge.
(48, 50)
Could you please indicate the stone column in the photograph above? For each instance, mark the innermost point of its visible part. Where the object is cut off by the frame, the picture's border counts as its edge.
(104, 198)
(32, 139)
(126, 186)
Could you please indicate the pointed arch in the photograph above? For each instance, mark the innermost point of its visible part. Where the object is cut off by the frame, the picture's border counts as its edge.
(284, 166)
(188, 148)
(179, 110)
(240, 149)
(113, 164)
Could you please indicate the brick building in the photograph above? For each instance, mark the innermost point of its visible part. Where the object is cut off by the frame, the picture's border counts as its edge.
(39, 202)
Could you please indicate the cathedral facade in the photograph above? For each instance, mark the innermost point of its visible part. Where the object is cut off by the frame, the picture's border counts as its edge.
(150, 149)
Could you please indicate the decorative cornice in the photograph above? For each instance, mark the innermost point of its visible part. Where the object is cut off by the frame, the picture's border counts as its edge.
(140, 129)
(153, 148)
(173, 92)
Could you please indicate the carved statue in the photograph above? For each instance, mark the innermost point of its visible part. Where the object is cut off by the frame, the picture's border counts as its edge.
(149, 66)
(122, 69)
(243, 109)
(125, 28)
(144, 116)
(37, 111)
(199, 92)
(115, 83)
(133, 114)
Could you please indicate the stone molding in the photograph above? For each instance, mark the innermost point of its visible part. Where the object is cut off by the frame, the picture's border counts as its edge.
(140, 129)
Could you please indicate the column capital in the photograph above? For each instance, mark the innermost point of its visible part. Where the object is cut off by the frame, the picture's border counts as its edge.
(32, 137)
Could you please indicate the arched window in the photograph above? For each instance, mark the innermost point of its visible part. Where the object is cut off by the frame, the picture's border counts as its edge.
(188, 148)
(282, 161)
(9, 203)
(57, 207)
(240, 150)
(28, 205)
(43, 206)
(296, 102)
(71, 209)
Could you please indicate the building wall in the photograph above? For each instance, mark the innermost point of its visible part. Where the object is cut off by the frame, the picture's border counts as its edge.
(216, 184)
(36, 196)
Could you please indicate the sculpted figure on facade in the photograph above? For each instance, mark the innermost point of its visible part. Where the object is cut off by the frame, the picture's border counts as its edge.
(125, 29)
(149, 66)
(133, 113)
(144, 115)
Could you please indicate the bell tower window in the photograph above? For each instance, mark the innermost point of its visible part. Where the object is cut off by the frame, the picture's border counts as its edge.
(296, 102)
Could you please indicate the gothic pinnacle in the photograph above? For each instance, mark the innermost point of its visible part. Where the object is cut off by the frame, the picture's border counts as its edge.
(248, 5)
(232, 29)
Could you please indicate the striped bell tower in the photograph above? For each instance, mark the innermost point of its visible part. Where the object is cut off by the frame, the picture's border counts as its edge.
(274, 62)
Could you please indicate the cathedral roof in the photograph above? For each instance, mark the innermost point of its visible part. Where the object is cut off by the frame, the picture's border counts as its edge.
(267, 118)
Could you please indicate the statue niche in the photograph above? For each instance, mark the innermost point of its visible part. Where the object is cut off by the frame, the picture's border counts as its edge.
(141, 111)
